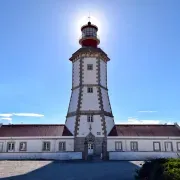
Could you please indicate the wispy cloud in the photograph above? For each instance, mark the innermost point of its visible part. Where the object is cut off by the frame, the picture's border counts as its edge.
(28, 114)
(134, 120)
(146, 121)
(6, 115)
(6, 119)
(148, 111)
(9, 116)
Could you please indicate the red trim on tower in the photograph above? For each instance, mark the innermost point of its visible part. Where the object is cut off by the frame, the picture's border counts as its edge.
(89, 42)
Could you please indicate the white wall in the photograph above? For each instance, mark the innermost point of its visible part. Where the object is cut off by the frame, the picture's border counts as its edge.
(70, 123)
(76, 73)
(136, 156)
(103, 74)
(36, 144)
(90, 76)
(84, 126)
(55, 156)
(74, 101)
(109, 123)
(106, 103)
(144, 143)
(90, 100)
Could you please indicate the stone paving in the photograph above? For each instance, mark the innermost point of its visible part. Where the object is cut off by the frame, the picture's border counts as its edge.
(56, 170)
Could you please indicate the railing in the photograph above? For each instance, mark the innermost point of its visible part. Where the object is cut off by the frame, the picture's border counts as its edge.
(89, 36)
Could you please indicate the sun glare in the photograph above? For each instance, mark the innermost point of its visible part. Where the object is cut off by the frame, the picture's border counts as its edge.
(84, 20)
(80, 19)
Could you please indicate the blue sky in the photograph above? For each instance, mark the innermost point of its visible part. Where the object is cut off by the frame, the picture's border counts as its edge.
(37, 37)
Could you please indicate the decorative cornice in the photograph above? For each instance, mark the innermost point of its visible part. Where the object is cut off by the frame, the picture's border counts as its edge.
(89, 112)
(89, 52)
(86, 85)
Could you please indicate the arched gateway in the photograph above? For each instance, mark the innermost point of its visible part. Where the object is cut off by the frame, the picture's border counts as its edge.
(89, 116)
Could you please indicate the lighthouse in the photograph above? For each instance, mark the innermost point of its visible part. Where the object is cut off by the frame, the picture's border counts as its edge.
(89, 117)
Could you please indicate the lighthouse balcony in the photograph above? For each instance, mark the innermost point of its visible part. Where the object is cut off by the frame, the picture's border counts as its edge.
(89, 38)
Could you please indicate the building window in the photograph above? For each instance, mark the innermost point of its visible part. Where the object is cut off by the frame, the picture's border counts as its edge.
(10, 146)
(98, 133)
(62, 146)
(178, 146)
(134, 146)
(1, 146)
(118, 146)
(90, 118)
(46, 146)
(168, 146)
(156, 146)
(89, 67)
(23, 146)
(90, 90)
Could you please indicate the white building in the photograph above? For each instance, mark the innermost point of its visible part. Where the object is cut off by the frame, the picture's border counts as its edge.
(89, 128)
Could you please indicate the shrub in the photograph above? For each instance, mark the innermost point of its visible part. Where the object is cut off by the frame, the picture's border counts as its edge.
(159, 169)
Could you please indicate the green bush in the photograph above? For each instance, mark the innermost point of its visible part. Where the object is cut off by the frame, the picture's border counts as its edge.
(159, 169)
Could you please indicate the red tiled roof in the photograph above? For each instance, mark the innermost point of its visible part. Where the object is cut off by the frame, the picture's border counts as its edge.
(24, 130)
(145, 130)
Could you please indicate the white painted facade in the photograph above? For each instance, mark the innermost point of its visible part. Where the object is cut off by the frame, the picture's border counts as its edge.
(75, 72)
(83, 101)
(70, 123)
(106, 103)
(103, 74)
(109, 124)
(74, 100)
(146, 148)
(89, 76)
(35, 144)
(144, 143)
(96, 126)
(90, 100)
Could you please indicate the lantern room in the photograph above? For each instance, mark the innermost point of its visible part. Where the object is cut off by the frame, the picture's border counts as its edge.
(89, 36)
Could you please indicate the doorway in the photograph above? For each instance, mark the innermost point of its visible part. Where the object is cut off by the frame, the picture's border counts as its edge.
(90, 148)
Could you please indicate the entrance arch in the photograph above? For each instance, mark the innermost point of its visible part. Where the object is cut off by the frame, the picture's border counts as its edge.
(90, 139)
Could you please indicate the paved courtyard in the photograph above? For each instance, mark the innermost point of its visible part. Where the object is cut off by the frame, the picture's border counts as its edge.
(48, 170)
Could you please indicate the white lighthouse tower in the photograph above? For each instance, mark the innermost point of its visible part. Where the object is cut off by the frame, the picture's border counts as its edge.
(89, 116)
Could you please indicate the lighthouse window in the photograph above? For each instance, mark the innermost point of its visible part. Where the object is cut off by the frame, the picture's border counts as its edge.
(89, 67)
(89, 32)
(90, 90)
(90, 118)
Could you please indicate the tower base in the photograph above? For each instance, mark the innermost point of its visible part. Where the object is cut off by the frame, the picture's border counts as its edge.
(96, 148)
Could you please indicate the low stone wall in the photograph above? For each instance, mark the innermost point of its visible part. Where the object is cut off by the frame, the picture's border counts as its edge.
(141, 156)
(43, 156)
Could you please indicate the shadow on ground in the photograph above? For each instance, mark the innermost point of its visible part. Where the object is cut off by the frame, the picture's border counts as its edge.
(105, 170)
